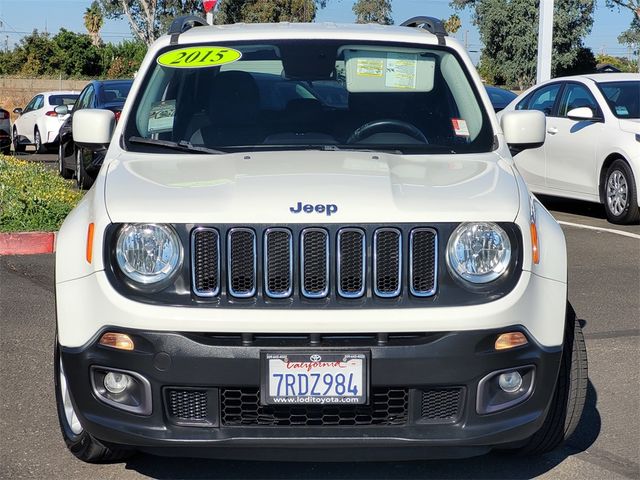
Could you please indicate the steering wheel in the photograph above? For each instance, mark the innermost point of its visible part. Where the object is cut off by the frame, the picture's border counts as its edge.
(386, 125)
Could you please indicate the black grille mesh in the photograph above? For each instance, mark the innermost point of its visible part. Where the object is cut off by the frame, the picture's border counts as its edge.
(441, 404)
(242, 275)
(206, 276)
(387, 262)
(242, 407)
(190, 405)
(314, 265)
(278, 262)
(423, 257)
(351, 281)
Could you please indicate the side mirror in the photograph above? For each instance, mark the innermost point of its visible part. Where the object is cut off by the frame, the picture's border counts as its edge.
(582, 114)
(17, 111)
(93, 128)
(61, 109)
(523, 129)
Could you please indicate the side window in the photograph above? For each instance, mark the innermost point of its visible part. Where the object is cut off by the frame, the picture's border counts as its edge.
(524, 103)
(30, 106)
(81, 99)
(39, 102)
(91, 97)
(576, 96)
(544, 99)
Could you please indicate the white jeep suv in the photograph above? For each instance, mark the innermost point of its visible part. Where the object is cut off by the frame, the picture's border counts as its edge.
(311, 238)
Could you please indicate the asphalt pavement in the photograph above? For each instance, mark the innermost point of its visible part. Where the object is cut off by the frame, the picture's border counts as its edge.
(604, 275)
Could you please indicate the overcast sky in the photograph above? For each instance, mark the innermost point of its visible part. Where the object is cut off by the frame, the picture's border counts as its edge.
(22, 16)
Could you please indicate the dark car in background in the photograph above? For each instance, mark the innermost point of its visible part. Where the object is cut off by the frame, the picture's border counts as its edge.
(81, 162)
(499, 97)
(5, 129)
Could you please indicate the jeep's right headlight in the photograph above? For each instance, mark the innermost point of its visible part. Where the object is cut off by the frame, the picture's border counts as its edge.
(147, 252)
(478, 252)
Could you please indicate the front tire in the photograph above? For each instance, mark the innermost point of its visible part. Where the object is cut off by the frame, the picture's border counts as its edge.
(81, 175)
(17, 146)
(620, 195)
(62, 170)
(80, 442)
(570, 393)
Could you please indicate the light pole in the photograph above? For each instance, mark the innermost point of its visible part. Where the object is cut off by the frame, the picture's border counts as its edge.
(545, 41)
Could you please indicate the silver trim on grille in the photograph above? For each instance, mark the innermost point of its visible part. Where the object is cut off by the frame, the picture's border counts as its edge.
(363, 271)
(265, 254)
(414, 292)
(396, 292)
(230, 289)
(201, 293)
(324, 292)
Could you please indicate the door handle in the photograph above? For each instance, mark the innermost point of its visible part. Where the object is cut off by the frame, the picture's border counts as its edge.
(552, 130)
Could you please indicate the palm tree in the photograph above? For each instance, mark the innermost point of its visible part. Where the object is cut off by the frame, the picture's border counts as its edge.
(93, 21)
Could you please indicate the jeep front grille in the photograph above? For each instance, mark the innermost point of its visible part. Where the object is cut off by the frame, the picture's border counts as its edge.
(336, 263)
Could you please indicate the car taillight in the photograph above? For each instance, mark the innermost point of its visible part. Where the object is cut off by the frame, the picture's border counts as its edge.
(4, 114)
(51, 114)
(117, 114)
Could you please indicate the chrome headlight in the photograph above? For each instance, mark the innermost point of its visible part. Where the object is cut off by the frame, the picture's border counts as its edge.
(147, 252)
(478, 252)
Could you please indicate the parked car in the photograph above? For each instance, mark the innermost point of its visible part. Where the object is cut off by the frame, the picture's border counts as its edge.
(39, 123)
(372, 280)
(83, 162)
(5, 129)
(499, 97)
(592, 149)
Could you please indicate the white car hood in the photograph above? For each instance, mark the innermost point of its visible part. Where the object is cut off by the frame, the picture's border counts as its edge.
(263, 187)
(631, 125)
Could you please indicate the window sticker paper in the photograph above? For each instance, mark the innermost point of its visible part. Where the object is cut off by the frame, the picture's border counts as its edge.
(401, 70)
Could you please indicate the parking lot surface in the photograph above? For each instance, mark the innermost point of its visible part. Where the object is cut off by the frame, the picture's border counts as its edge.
(604, 274)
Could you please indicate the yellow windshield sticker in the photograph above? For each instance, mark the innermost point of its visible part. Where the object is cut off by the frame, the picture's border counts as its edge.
(198, 57)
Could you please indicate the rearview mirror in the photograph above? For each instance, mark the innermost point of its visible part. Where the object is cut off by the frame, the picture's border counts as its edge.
(523, 129)
(93, 128)
(17, 111)
(61, 109)
(581, 113)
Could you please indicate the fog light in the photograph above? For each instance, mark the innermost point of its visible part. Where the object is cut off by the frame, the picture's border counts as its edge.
(510, 382)
(116, 382)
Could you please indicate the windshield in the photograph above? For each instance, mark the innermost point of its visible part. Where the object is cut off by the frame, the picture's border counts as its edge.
(68, 100)
(623, 98)
(309, 94)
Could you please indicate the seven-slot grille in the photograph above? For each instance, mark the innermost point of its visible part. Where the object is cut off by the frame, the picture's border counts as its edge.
(299, 261)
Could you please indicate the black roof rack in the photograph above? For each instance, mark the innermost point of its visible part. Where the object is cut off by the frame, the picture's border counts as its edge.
(182, 24)
(430, 24)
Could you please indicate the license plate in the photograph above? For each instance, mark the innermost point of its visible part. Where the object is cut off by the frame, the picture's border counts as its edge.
(314, 378)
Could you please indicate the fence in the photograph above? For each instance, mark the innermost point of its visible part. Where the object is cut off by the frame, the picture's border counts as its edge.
(16, 92)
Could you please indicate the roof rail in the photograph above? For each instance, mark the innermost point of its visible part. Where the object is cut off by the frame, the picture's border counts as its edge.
(430, 24)
(182, 24)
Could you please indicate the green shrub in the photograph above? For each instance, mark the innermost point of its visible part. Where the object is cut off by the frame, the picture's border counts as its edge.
(32, 197)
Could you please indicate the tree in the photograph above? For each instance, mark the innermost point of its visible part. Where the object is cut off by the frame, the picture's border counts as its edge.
(93, 21)
(509, 31)
(149, 19)
(373, 11)
(266, 11)
(452, 24)
(75, 55)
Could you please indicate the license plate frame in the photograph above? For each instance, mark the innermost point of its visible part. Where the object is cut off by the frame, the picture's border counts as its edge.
(306, 357)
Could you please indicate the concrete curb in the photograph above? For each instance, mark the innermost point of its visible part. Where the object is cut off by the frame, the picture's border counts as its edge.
(27, 243)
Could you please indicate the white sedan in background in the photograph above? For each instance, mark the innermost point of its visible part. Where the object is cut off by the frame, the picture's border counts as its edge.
(592, 146)
(38, 123)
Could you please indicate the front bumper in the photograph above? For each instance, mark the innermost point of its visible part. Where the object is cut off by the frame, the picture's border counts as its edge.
(433, 361)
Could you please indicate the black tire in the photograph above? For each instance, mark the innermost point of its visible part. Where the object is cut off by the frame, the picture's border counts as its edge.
(17, 146)
(83, 445)
(62, 170)
(629, 213)
(40, 148)
(82, 179)
(570, 393)
(6, 151)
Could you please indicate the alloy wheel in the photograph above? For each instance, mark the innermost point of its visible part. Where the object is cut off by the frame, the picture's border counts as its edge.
(617, 192)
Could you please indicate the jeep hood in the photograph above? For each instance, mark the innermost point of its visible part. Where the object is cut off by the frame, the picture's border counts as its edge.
(263, 187)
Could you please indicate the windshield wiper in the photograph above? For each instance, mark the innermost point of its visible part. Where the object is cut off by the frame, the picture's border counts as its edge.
(182, 145)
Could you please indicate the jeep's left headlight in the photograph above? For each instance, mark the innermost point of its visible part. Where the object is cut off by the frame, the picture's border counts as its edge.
(478, 252)
(148, 252)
